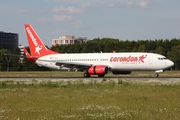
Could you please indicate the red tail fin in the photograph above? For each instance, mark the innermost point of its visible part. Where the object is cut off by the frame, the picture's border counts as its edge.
(37, 48)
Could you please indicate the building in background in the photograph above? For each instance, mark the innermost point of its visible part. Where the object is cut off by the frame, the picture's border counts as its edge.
(9, 41)
(65, 40)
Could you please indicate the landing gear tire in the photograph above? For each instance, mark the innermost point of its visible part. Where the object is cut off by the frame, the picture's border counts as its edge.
(156, 75)
(100, 75)
(86, 75)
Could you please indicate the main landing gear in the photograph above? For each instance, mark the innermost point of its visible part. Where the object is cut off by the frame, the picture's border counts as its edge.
(86, 75)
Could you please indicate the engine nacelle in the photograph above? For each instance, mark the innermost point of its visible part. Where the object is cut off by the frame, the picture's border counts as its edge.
(98, 70)
(121, 72)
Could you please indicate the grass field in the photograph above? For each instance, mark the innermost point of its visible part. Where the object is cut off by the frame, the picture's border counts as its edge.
(91, 101)
(122, 100)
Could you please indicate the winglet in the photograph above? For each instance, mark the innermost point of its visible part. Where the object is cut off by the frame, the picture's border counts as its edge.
(37, 47)
(28, 56)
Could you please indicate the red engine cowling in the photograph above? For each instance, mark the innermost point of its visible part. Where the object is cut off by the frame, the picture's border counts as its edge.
(98, 70)
(121, 72)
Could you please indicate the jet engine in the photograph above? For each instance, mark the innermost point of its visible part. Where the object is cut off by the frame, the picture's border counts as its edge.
(98, 70)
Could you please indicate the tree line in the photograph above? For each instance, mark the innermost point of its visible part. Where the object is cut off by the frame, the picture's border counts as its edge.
(168, 48)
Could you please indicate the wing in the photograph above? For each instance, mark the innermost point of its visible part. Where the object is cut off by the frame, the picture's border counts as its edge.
(72, 65)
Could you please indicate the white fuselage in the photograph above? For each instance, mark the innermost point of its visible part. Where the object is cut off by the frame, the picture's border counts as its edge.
(115, 61)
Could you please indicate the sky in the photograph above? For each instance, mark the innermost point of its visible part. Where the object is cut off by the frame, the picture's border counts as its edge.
(119, 19)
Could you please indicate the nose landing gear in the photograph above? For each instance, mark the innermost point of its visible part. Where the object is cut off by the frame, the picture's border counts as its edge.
(156, 73)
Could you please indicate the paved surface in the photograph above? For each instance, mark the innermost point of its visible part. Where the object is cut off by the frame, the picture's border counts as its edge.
(160, 80)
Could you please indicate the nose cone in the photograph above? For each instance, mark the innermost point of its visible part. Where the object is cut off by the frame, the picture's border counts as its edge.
(170, 63)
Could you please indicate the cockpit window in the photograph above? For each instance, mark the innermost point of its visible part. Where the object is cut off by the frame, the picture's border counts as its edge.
(162, 58)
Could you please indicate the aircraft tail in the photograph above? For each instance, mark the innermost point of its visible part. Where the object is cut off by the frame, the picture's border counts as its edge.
(36, 46)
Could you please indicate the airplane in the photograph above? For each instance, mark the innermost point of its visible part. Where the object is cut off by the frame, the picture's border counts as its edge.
(93, 63)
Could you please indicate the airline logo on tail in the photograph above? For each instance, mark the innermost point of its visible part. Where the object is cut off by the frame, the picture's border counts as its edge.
(37, 47)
